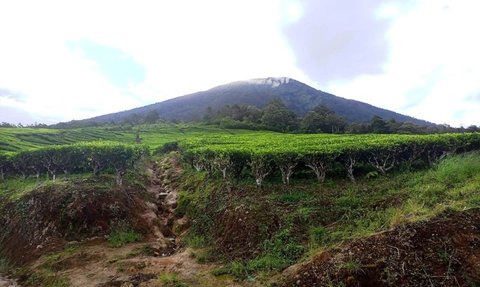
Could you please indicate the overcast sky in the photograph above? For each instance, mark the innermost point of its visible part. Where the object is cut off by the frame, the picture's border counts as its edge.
(63, 60)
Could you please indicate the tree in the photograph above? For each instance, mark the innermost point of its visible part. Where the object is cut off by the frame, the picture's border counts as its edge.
(138, 139)
(95, 158)
(73, 158)
(21, 163)
(286, 163)
(379, 126)
(122, 158)
(408, 128)
(356, 128)
(253, 114)
(383, 160)
(322, 120)
(224, 164)
(36, 162)
(350, 160)
(319, 164)
(5, 164)
(51, 159)
(473, 128)
(7, 125)
(261, 167)
(277, 117)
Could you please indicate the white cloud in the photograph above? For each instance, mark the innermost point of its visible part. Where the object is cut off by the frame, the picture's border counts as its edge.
(58, 83)
(185, 46)
(433, 68)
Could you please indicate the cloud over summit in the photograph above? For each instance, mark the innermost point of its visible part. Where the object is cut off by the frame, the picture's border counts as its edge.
(63, 60)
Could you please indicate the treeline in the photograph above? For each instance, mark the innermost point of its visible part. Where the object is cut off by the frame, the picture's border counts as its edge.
(135, 119)
(75, 158)
(276, 116)
(19, 125)
(383, 154)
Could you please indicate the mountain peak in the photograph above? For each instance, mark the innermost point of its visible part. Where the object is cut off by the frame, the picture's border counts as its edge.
(274, 82)
(297, 96)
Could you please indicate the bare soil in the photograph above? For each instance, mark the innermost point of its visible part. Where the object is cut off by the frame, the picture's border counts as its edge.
(95, 263)
(239, 234)
(46, 219)
(125, 267)
(6, 282)
(444, 251)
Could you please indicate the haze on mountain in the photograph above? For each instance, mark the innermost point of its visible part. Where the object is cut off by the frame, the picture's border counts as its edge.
(63, 60)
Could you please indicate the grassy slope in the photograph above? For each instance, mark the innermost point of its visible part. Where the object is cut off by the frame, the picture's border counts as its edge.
(285, 225)
(16, 139)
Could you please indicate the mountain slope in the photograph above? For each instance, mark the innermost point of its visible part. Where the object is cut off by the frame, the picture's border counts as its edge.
(298, 97)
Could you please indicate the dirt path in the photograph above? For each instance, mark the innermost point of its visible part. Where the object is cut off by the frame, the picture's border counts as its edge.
(94, 263)
(107, 266)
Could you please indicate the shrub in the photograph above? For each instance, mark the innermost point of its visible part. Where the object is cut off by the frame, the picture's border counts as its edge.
(171, 280)
(121, 236)
(317, 235)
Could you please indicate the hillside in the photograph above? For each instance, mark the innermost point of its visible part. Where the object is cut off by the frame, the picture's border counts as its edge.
(213, 235)
(297, 96)
(235, 208)
(15, 139)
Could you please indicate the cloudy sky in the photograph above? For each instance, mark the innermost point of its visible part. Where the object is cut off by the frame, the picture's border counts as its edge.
(63, 60)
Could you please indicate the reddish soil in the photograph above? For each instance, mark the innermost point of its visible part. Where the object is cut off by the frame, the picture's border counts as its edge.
(92, 262)
(46, 219)
(140, 264)
(239, 231)
(444, 251)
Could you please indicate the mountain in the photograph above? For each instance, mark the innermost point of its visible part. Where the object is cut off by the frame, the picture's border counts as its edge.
(297, 96)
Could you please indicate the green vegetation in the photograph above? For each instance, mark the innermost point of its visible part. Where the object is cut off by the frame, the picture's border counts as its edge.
(46, 274)
(195, 241)
(155, 135)
(5, 266)
(296, 221)
(229, 155)
(321, 119)
(304, 204)
(352, 266)
(17, 139)
(317, 118)
(46, 279)
(121, 236)
(266, 143)
(74, 158)
(14, 188)
(171, 280)
(55, 262)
